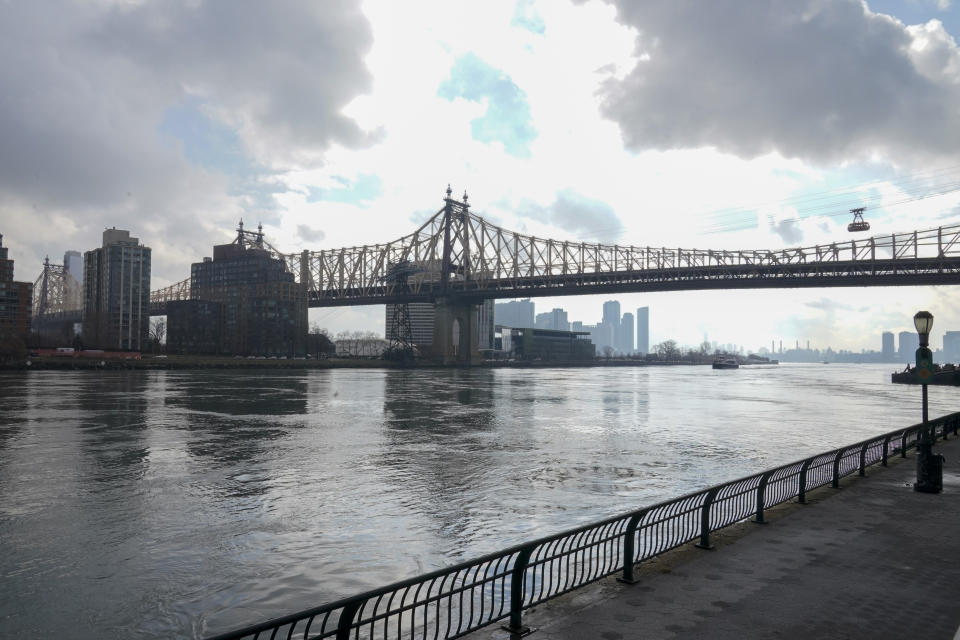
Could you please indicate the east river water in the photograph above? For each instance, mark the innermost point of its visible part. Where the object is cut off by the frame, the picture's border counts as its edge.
(186, 503)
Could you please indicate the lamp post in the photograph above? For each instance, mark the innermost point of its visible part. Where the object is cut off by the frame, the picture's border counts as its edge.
(929, 466)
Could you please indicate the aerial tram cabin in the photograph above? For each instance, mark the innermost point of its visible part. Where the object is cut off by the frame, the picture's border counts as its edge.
(858, 224)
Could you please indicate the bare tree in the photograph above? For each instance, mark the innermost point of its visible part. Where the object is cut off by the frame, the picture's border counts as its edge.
(668, 350)
(158, 334)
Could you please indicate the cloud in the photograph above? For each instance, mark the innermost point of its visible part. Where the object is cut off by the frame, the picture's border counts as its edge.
(788, 230)
(507, 118)
(582, 217)
(149, 115)
(308, 234)
(821, 81)
(828, 305)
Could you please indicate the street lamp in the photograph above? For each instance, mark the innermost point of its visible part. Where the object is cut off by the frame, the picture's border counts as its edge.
(929, 466)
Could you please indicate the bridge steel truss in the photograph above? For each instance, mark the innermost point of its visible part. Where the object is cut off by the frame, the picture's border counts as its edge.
(464, 256)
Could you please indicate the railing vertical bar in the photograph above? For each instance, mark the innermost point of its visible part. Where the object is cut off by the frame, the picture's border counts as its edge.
(802, 477)
(705, 519)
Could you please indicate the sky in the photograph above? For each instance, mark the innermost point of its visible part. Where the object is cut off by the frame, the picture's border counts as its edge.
(712, 124)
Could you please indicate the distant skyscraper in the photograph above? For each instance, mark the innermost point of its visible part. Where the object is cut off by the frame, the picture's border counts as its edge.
(611, 313)
(116, 293)
(889, 351)
(909, 343)
(626, 333)
(73, 274)
(515, 313)
(555, 320)
(951, 346)
(643, 330)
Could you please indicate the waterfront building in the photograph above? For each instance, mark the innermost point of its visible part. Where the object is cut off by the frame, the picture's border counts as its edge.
(951, 346)
(887, 348)
(16, 302)
(243, 302)
(643, 331)
(116, 293)
(546, 344)
(909, 343)
(515, 313)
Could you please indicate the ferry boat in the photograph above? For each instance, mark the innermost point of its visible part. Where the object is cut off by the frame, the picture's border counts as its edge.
(726, 363)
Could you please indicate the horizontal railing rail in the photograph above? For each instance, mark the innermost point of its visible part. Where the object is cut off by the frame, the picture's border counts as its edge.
(451, 602)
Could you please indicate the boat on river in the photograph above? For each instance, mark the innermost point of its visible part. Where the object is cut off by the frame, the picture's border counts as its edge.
(726, 363)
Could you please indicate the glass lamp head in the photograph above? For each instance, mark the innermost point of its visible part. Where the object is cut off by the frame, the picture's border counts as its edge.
(923, 321)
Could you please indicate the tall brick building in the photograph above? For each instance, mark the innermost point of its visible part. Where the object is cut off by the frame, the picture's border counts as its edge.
(243, 302)
(16, 302)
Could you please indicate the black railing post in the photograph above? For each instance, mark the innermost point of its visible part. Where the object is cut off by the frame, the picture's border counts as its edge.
(802, 489)
(761, 493)
(705, 519)
(629, 548)
(886, 450)
(346, 619)
(863, 459)
(903, 444)
(836, 469)
(516, 593)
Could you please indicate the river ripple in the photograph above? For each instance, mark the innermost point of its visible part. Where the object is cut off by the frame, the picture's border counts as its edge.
(185, 503)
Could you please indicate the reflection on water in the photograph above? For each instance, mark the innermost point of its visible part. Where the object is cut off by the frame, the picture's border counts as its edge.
(159, 504)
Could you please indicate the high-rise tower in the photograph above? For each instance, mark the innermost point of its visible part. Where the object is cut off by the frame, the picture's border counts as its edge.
(116, 293)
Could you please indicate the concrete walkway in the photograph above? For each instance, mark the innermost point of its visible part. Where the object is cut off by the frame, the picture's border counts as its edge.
(873, 559)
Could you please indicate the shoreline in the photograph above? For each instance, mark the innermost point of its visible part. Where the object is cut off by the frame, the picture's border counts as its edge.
(196, 362)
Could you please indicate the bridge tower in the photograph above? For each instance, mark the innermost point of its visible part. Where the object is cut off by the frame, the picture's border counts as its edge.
(49, 290)
(456, 320)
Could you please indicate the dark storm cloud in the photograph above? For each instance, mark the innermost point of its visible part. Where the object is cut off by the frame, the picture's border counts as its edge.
(288, 65)
(88, 88)
(583, 218)
(822, 81)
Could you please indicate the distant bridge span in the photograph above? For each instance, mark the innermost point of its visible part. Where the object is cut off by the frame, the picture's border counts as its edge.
(457, 254)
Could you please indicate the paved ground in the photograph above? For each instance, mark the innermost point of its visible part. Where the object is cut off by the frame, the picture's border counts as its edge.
(873, 559)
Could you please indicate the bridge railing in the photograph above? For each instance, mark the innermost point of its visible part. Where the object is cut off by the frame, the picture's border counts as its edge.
(457, 600)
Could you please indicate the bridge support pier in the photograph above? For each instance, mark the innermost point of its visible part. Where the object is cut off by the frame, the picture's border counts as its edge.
(456, 332)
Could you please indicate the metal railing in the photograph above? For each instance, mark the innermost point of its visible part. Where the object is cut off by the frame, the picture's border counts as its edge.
(454, 601)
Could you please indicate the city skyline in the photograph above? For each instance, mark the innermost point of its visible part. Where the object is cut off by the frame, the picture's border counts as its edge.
(183, 145)
(943, 340)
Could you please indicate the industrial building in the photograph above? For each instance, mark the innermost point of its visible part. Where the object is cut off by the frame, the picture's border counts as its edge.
(243, 301)
(16, 302)
(116, 293)
(545, 344)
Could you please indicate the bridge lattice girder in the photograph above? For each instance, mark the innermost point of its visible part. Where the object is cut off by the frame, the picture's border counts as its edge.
(55, 293)
(461, 254)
